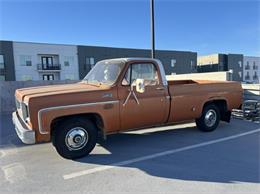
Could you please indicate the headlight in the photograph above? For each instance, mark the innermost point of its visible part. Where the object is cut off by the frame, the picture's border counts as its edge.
(18, 104)
(25, 112)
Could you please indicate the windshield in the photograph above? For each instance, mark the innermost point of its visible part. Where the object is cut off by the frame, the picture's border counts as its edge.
(104, 72)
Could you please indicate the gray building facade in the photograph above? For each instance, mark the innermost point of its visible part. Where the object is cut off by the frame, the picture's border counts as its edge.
(235, 63)
(222, 62)
(175, 62)
(18, 60)
(7, 70)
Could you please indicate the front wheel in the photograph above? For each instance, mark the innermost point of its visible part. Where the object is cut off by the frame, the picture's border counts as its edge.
(75, 138)
(209, 119)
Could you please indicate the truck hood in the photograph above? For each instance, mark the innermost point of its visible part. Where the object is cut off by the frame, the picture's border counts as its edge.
(39, 91)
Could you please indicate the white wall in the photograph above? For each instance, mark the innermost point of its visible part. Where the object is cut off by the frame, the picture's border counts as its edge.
(33, 50)
(251, 71)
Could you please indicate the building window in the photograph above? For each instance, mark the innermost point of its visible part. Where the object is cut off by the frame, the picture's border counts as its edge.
(240, 64)
(247, 66)
(173, 63)
(90, 61)
(240, 74)
(66, 63)
(247, 76)
(255, 67)
(68, 60)
(26, 77)
(2, 77)
(25, 60)
(2, 62)
(192, 65)
(255, 77)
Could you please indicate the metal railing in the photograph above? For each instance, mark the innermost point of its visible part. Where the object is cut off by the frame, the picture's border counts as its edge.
(49, 67)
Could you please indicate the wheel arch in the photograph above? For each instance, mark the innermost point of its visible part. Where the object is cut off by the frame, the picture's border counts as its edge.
(222, 105)
(93, 117)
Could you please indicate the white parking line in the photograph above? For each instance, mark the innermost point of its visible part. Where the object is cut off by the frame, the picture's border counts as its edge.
(156, 155)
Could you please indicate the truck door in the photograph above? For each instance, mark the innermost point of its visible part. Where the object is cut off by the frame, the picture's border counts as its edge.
(142, 109)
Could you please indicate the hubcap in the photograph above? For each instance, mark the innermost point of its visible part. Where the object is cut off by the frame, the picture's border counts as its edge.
(210, 118)
(76, 138)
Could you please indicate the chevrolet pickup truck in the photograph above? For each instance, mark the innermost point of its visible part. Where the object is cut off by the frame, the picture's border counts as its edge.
(118, 95)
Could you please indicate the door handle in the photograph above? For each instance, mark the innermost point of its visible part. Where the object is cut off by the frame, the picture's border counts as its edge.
(160, 88)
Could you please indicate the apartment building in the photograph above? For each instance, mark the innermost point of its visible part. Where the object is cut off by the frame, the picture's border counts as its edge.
(222, 62)
(38, 61)
(251, 69)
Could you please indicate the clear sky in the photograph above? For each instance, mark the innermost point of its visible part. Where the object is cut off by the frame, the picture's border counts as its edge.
(203, 26)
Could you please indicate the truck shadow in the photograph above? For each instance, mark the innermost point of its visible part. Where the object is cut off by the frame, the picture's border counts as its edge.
(236, 160)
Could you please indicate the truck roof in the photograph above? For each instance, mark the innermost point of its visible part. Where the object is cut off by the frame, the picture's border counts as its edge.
(131, 59)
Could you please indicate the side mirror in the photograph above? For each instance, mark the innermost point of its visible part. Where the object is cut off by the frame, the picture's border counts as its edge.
(140, 88)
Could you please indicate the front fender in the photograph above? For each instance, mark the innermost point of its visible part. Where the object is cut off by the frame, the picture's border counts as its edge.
(109, 111)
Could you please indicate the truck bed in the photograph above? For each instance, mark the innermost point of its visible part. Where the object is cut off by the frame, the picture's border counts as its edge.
(188, 96)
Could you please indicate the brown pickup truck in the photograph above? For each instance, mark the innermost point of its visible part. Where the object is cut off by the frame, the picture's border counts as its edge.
(118, 95)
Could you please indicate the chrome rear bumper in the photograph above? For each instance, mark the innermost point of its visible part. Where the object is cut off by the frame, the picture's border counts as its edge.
(26, 135)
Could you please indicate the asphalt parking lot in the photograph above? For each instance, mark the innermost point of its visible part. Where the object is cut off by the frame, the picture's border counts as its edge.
(173, 159)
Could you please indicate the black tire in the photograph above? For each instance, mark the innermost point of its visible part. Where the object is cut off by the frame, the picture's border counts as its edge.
(208, 125)
(62, 138)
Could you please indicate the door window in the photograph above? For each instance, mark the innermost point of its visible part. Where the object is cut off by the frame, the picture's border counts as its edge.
(147, 72)
(48, 77)
(47, 62)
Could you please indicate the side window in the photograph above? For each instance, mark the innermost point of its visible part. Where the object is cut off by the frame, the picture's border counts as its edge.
(147, 72)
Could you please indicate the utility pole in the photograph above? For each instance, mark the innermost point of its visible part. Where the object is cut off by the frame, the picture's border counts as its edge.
(152, 28)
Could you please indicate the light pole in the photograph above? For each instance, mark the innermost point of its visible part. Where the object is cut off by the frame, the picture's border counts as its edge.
(152, 28)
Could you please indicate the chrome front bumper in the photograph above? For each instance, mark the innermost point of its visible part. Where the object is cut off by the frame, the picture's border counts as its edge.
(26, 135)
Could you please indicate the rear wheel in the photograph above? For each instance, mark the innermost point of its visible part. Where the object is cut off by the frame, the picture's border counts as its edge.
(209, 119)
(75, 138)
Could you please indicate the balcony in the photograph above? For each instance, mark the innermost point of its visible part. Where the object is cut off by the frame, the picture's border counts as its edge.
(247, 67)
(53, 67)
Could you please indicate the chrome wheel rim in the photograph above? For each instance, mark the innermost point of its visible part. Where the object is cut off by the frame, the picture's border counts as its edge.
(210, 118)
(76, 138)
